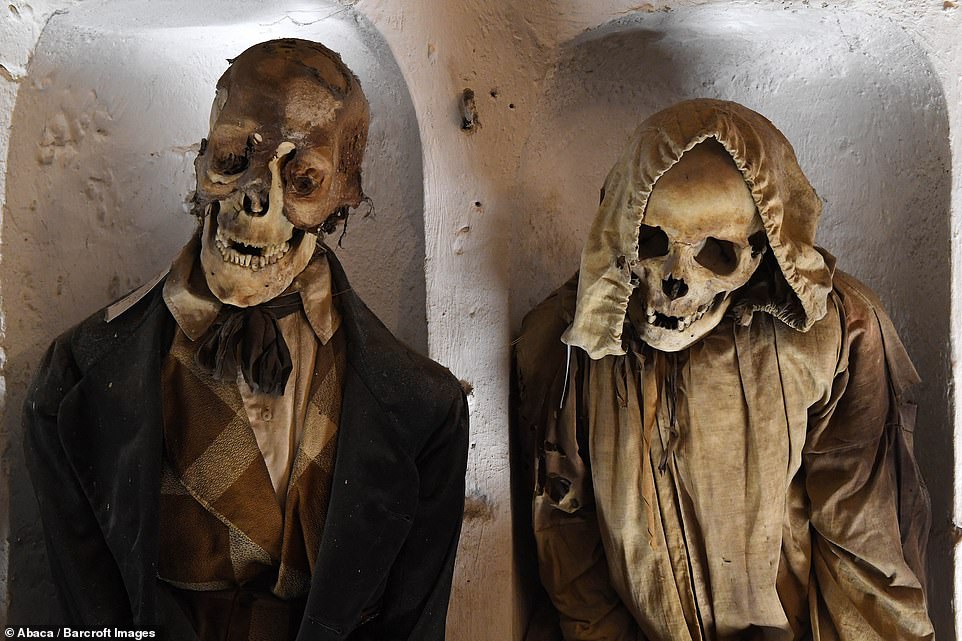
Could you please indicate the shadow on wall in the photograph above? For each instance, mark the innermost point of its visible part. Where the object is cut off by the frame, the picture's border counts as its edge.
(101, 161)
(868, 121)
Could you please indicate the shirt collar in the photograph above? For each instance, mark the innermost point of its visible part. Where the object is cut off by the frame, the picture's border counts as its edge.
(194, 307)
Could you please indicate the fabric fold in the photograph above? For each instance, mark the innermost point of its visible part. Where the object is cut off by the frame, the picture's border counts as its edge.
(248, 340)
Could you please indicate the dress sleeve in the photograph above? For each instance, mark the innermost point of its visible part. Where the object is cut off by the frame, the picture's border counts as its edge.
(572, 562)
(855, 477)
(574, 571)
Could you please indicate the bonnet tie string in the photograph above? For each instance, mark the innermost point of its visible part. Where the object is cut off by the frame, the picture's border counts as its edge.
(248, 339)
(564, 390)
(648, 395)
(671, 394)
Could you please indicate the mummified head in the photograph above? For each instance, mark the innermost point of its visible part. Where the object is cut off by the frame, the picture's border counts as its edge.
(701, 239)
(282, 162)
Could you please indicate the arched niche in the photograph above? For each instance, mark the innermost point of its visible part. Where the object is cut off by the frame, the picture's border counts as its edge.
(868, 120)
(104, 133)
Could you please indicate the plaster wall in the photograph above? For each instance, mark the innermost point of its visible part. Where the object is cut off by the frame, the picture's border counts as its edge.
(499, 200)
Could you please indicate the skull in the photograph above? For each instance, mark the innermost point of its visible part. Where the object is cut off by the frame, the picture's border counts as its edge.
(701, 239)
(282, 162)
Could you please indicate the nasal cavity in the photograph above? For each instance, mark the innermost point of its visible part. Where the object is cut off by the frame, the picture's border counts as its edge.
(256, 206)
(674, 288)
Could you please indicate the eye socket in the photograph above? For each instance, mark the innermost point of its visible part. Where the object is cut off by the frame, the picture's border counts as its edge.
(759, 242)
(720, 256)
(231, 164)
(303, 182)
(302, 185)
(652, 242)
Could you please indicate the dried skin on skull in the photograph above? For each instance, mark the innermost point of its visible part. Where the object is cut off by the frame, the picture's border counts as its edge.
(694, 248)
(287, 136)
(249, 239)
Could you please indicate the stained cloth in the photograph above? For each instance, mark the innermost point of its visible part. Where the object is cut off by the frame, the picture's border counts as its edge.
(276, 421)
(783, 502)
(221, 524)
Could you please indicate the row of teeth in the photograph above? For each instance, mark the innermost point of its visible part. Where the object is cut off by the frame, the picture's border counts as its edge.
(684, 322)
(270, 254)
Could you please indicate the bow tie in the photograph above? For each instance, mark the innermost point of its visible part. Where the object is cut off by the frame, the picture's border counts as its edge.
(248, 339)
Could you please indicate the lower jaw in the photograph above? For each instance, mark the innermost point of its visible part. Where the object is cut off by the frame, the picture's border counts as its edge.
(242, 286)
(673, 340)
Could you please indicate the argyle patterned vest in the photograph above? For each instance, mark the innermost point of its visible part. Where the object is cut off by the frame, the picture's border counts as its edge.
(221, 526)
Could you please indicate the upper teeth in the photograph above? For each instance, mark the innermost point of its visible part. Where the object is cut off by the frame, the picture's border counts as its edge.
(269, 254)
(684, 322)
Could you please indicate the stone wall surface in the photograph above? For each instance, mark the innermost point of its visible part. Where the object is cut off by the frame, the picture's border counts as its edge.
(102, 104)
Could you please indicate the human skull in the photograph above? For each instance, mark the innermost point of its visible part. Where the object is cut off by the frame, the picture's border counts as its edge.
(282, 161)
(700, 240)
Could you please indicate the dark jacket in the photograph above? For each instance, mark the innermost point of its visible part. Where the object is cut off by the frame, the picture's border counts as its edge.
(93, 444)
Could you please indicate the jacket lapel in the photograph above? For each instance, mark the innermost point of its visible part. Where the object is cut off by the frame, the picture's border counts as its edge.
(111, 428)
(374, 490)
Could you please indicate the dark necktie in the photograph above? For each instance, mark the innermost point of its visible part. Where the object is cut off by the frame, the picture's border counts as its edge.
(249, 339)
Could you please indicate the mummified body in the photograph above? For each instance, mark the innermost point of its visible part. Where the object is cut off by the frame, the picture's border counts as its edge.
(245, 452)
(724, 444)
